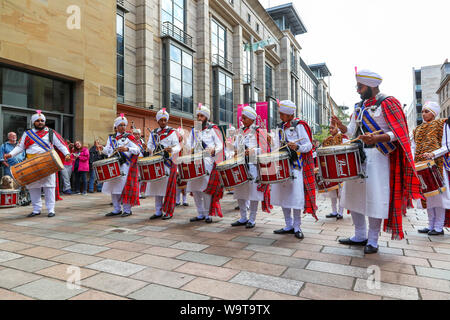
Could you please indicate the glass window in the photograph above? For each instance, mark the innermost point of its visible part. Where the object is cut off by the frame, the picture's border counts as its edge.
(175, 54)
(187, 60)
(181, 80)
(218, 39)
(120, 56)
(224, 92)
(173, 12)
(187, 75)
(175, 70)
(15, 88)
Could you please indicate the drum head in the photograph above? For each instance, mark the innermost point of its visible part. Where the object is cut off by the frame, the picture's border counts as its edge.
(105, 161)
(149, 160)
(273, 156)
(230, 163)
(424, 165)
(9, 191)
(337, 149)
(57, 159)
(190, 158)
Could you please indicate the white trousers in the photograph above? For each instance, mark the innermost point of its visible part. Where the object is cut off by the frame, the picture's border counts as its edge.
(117, 204)
(35, 194)
(179, 192)
(436, 219)
(158, 205)
(288, 219)
(359, 220)
(334, 207)
(203, 203)
(243, 207)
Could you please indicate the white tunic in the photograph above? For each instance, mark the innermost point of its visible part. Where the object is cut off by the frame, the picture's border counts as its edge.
(212, 140)
(370, 196)
(116, 186)
(47, 182)
(440, 200)
(158, 188)
(290, 194)
(249, 190)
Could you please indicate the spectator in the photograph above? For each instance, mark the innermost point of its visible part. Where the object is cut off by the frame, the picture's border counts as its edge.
(7, 148)
(95, 154)
(80, 160)
(66, 173)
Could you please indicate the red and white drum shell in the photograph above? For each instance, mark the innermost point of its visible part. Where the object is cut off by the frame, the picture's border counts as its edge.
(191, 167)
(430, 178)
(107, 170)
(233, 172)
(151, 168)
(339, 163)
(324, 187)
(9, 198)
(274, 167)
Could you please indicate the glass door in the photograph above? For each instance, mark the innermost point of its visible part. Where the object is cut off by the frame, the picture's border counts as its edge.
(14, 122)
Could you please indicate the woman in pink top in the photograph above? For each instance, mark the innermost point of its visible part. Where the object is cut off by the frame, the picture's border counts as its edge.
(80, 159)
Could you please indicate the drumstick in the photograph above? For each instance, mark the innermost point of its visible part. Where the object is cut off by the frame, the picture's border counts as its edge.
(354, 140)
(287, 145)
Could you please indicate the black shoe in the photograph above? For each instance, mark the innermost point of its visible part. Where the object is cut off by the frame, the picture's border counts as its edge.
(424, 230)
(352, 243)
(435, 233)
(195, 219)
(250, 225)
(177, 204)
(33, 214)
(126, 214)
(370, 250)
(237, 208)
(331, 216)
(299, 235)
(282, 231)
(155, 216)
(209, 220)
(167, 217)
(339, 217)
(112, 214)
(51, 215)
(238, 224)
(185, 204)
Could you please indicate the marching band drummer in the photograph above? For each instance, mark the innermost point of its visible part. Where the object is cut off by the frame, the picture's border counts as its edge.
(140, 142)
(430, 142)
(335, 138)
(206, 200)
(126, 188)
(255, 142)
(391, 180)
(181, 185)
(295, 194)
(164, 141)
(39, 140)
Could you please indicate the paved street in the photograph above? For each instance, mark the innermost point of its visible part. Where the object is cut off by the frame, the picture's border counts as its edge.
(133, 258)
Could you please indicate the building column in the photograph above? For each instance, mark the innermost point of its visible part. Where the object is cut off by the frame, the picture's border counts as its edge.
(284, 71)
(203, 57)
(261, 74)
(238, 56)
(144, 53)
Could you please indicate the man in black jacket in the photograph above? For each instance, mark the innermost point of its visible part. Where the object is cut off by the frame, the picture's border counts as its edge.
(95, 154)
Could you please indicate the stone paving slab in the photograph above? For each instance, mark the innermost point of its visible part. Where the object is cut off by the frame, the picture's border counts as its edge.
(388, 290)
(163, 277)
(116, 267)
(189, 246)
(280, 260)
(85, 248)
(276, 284)
(7, 256)
(205, 258)
(10, 278)
(114, 284)
(28, 264)
(45, 289)
(255, 240)
(157, 292)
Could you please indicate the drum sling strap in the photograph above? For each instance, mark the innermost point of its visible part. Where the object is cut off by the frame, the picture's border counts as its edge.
(294, 158)
(158, 146)
(123, 157)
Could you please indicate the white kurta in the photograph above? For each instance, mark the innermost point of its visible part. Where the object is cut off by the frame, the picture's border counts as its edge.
(158, 188)
(440, 200)
(290, 194)
(116, 186)
(370, 196)
(249, 190)
(47, 182)
(212, 140)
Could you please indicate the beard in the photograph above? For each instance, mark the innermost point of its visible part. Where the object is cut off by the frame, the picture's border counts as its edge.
(40, 126)
(368, 94)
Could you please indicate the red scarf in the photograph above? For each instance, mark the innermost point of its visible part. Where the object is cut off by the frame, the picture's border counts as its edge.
(130, 192)
(309, 179)
(404, 183)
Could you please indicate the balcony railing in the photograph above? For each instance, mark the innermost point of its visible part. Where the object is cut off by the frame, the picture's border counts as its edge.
(294, 67)
(218, 60)
(170, 30)
(246, 79)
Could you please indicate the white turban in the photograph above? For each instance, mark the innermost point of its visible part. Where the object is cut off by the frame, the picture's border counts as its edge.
(36, 116)
(204, 110)
(249, 112)
(162, 114)
(287, 107)
(433, 107)
(368, 78)
(120, 119)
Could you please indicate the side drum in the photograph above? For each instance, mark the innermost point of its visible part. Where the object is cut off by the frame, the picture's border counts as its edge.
(9, 198)
(430, 178)
(107, 169)
(151, 168)
(233, 172)
(36, 168)
(322, 186)
(191, 167)
(340, 163)
(274, 167)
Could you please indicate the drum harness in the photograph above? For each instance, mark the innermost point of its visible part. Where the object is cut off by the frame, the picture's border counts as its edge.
(203, 144)
(294, 158)
(159, 147)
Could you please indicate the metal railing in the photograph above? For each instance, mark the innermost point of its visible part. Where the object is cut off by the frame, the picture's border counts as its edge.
(218, 60)
(246, 79)
(170, 30)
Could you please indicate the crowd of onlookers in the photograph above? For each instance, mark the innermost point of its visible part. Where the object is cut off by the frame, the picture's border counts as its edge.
(77, 177)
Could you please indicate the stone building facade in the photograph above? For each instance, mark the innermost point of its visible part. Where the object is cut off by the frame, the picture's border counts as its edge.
(426, 81)
(59, 57)
(444, 90)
